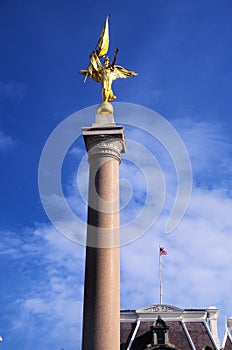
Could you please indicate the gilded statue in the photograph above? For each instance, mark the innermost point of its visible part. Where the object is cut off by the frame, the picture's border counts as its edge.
(107, 72)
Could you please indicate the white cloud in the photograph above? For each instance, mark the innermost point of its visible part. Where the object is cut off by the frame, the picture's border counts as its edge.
(54, 296)
(210, 152)
(6, 142)
(12, 89)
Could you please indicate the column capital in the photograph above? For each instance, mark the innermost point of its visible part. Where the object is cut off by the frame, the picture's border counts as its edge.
(104, 141)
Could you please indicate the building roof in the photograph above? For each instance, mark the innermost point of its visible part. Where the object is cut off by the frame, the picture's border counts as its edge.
(189, 329)
(227, 341)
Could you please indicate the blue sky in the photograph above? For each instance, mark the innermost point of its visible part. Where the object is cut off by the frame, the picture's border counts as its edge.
(182, 52)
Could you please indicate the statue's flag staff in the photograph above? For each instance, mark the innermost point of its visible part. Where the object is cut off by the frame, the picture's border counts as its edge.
(104, 40)
(106, 72)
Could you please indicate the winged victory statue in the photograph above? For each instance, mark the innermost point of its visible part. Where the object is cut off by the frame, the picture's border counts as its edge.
(107, 72)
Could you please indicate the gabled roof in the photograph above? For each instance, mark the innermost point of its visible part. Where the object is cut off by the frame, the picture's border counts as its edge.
(188, 329)
(227, 341)
(200, 335)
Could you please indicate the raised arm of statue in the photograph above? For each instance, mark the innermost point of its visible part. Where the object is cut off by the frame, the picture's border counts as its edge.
(105, 73)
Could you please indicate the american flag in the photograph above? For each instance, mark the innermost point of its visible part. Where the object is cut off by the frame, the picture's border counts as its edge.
(163, 251)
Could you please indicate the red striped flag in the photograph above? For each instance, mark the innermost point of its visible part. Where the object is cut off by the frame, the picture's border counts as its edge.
(163, 251)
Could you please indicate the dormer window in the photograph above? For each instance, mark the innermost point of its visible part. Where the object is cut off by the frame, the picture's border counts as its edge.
(160, 332)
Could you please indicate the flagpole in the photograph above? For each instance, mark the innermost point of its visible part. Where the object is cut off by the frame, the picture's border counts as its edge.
(162, 252)
(160, 271)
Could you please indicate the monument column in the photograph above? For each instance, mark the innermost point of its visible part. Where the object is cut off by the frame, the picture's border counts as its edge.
(101, 317)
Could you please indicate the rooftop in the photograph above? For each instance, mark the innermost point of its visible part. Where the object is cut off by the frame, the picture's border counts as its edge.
(187, 329)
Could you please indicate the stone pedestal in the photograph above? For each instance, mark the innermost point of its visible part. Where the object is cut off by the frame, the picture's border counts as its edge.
(101, 317)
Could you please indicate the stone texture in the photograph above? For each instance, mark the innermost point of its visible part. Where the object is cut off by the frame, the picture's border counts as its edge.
(101, 316)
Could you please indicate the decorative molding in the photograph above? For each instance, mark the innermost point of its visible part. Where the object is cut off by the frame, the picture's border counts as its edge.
(159, 308)
(111, 147)
(105, 141)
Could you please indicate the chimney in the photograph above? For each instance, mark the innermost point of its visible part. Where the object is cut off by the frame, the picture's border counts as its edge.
(212, 314)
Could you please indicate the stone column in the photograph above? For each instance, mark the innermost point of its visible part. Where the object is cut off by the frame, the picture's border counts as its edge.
(101, 316)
